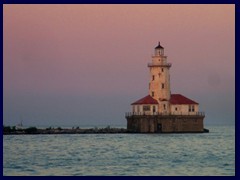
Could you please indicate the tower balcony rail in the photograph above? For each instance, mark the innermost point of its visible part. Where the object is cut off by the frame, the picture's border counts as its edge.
(160, 64)
(129, 114)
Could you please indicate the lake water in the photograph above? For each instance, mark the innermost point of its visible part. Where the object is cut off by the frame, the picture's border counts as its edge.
(121, 154)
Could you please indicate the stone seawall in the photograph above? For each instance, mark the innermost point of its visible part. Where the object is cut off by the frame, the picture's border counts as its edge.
(165, 124)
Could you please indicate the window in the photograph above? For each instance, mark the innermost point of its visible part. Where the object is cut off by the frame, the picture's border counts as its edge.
(146, 108)
(162, 69)
(158, 59)
(152, 93)
(176, 109)
(154, 109)
(153, 77)
(161, 51)
(164, 106)
(159, 74)
(191, 108)
(138, 108)
(162, 85)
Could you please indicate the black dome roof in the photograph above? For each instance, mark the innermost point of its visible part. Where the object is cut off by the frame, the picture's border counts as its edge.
(159, 46)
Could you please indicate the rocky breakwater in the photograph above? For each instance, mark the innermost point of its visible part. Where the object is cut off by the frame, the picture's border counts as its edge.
(33, 130)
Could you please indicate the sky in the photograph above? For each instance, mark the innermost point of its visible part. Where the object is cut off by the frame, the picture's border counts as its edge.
(80, 65)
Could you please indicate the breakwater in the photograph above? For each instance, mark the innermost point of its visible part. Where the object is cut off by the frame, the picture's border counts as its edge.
(34, 130)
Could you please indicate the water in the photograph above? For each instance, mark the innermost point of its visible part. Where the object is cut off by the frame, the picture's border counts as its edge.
(121, 154)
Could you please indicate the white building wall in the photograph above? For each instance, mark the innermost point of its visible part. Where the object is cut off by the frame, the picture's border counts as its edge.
(184, 109)
(139, 109)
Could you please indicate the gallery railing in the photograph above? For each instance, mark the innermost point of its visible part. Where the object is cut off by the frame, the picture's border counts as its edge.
(159, 64)
(129, 114)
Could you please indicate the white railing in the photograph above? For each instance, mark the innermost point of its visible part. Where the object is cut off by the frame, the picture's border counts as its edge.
(159, 64)
(129, 114)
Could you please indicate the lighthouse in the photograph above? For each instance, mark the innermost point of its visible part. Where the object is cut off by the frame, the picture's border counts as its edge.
(160, 111)
(159, 83)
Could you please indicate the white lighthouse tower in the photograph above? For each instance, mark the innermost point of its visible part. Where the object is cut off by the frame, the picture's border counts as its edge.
(159, 84)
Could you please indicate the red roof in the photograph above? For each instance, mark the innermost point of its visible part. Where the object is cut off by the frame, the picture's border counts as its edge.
(175, 99)
(180, 99)
(146, 100)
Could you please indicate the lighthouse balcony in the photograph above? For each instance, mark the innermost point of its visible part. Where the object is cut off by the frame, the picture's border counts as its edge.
(130, 114)
(159, 64)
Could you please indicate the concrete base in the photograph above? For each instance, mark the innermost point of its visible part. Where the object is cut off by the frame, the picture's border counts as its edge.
(165, 123)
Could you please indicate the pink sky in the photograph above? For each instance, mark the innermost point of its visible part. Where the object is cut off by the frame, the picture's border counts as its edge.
(85, 64)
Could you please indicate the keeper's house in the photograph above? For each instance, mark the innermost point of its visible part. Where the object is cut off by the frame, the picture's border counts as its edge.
(161, 111)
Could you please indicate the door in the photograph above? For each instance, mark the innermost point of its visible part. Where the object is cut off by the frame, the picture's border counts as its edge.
(159, 127)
